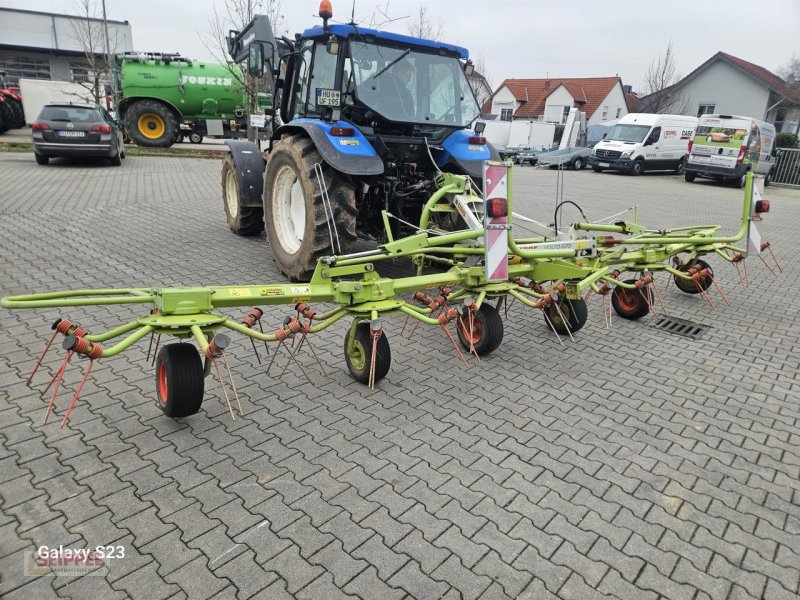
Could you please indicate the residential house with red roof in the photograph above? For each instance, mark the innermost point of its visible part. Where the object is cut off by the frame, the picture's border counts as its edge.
(550, 99)
(725, 84)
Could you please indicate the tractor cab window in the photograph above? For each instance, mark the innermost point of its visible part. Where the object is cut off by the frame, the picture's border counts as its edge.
(301, 83)
(411, 86)
(323, 76)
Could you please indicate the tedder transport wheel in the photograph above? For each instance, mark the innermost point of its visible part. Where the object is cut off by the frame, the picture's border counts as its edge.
(691, 287)
(294, 215)
(150, 123)
(487, 330)
(575, 313)
(631, 304)
(243, 220)
(359, 358)
(179, 380)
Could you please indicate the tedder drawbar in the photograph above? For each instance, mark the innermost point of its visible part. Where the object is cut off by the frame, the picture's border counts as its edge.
(484, 262)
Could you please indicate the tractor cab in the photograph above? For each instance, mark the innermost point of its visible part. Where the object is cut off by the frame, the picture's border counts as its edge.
(381, 82)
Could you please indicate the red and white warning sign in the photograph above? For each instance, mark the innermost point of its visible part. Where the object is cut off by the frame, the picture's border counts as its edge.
(754, 238)
(495, 220)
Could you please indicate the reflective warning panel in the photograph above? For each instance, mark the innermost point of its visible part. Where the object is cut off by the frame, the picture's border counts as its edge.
(495, 220)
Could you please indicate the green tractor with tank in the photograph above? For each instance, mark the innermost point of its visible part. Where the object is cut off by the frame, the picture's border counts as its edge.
(162, 97)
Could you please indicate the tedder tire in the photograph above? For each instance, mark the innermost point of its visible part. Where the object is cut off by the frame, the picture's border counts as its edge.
(487, 330)
(691, 287)
(294, 214)
(575, 312)
(359, 361)
(243, 220)
(179, 380)
(631, 304)
(150, 123)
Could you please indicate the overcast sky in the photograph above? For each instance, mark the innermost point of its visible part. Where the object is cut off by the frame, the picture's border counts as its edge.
(517, 38)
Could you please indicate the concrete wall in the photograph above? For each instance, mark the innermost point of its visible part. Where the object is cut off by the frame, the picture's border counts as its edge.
(28, 29)
(729, 89)
(503, 99)
(614, 101)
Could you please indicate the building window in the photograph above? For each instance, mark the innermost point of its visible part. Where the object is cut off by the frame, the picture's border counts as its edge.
(566, 114)
(619, 112)
(706, 109)
(18, 67)
(505, 114)
(605, 112)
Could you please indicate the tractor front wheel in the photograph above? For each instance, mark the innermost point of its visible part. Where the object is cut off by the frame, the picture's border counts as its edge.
(486, 332)
(242, 220)
(150, 123)
(690, 286)
(358, 353)
(179, 380)
(575, 313)
(298, 230)
(632, 303)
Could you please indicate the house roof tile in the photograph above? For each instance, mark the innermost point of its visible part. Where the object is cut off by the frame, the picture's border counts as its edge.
(588, 92)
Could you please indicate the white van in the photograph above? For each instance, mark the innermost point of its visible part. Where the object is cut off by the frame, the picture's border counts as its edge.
(642, 142)
(728, 146)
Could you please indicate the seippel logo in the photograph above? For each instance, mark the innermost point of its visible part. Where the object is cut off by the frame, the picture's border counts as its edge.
(192, 79)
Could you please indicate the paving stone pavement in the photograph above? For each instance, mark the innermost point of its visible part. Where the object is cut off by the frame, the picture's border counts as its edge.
(628, 464)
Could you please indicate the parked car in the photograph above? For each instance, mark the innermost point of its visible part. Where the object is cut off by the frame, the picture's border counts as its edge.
(726, 147)
(574, 157)
(642, 142)
(76, 130)
(527, 155)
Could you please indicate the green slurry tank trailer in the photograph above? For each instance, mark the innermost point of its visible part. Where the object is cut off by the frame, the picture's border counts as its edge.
(161, 97)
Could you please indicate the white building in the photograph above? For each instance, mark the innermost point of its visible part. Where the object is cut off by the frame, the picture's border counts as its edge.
(725, 84)
(549, 100)
(39, 45)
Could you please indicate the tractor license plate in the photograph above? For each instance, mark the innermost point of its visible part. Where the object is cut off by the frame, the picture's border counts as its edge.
(605, 165)
(71, 133)
(328, 97)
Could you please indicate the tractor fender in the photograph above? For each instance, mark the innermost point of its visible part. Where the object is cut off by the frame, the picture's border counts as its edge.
(351, 155)
(467, 158)
(250, 165)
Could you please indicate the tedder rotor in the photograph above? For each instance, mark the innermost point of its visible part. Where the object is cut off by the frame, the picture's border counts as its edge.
(476, 271)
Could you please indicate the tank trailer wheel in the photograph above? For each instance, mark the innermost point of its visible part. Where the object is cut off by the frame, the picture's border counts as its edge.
(294, 214)
(632, 304)
(242, 220)
(487, 330)
(152, 124)
(179, 380)
(575, 315)
(691, 287)
(359, 358)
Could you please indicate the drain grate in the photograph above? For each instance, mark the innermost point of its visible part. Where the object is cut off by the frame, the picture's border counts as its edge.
(680, 327)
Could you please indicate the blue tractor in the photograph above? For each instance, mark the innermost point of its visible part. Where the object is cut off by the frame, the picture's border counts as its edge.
(363, 122)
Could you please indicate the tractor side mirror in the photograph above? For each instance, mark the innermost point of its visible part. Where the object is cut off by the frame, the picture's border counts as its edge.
(255, 61)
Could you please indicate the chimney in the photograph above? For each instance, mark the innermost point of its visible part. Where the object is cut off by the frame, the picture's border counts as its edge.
(546, 84)
(628, 89)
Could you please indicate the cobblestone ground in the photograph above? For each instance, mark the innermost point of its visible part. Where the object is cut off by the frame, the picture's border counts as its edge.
(628, 464)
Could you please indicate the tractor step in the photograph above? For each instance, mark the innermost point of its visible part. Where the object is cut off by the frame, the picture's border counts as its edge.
(681, 327)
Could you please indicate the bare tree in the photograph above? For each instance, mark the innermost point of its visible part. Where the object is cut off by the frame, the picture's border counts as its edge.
(235, 15)
(90, 34)
(480, 81)
(660, 92)
(421, 26)
(790, 73)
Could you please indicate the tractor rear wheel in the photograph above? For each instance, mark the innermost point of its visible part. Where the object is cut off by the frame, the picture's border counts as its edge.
(19, 114)
(359, 358)
(487, 330)
(152, 124)
(294, 215)
(694, 287)
(242, 220)
(6, 115)
(575, 313)
(179, 380)
(632, 304)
